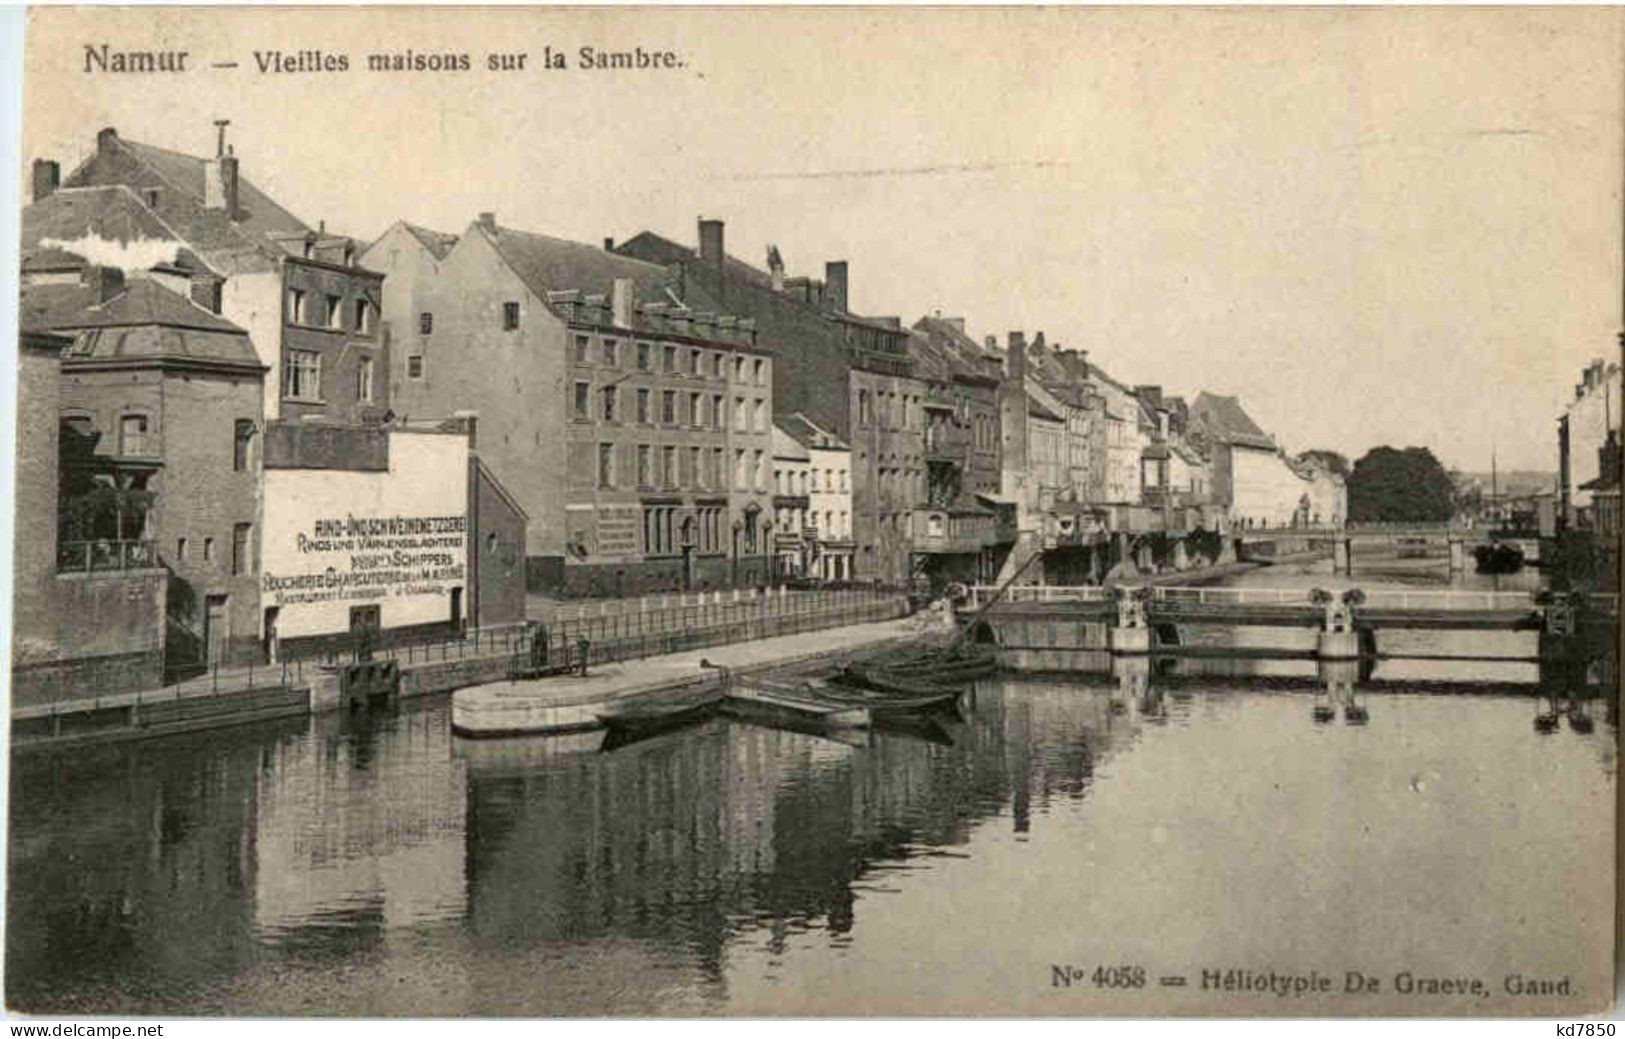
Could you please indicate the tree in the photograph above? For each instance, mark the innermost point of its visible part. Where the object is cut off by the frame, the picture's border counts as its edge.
(1332, 460)
(1390, 485)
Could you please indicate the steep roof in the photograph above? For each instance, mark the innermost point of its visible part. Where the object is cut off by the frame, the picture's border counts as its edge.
(438, 243)
(787, 446)
(257, 212)
(145, 321)
(662, 250)
(547, 264)
(810, 434)
(1228, 421)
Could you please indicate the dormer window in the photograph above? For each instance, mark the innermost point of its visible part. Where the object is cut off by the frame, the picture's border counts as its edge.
(150, 196)
(310, 248)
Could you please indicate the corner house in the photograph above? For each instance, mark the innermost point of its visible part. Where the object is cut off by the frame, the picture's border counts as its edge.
(385, 534)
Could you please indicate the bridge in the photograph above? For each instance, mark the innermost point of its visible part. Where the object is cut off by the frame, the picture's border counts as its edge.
(1134, 620)
(1456, 536)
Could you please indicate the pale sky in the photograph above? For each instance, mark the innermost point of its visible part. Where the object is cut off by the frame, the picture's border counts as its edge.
(1375, 226)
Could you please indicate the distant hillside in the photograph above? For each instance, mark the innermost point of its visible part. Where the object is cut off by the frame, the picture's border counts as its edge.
(1517, 481)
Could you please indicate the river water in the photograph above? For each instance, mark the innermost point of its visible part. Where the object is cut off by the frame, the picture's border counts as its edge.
(1198, 820)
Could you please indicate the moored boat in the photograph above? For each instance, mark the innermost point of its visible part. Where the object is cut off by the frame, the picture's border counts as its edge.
(644, 719)
(1499, 557)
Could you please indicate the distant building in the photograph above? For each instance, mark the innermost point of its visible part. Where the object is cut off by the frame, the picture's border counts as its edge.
(794, 534)
(1593, 420)
(829, 498)
(852, 375)
(629, 417)
(1251, 476)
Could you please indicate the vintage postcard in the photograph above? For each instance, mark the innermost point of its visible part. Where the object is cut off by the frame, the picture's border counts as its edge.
(851, 512)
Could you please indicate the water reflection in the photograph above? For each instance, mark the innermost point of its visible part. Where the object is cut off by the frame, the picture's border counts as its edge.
(384, 867)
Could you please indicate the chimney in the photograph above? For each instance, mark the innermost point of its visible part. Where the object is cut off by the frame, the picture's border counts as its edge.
(1017, 354)
(711, 241)
(106, 141)
(228, 181)
(1038, 341)
(775, 267)
(105, 282)
(620, 303)
(47, 175)
(991, 342)
(488, 221)
(609, 245)
(835, 285)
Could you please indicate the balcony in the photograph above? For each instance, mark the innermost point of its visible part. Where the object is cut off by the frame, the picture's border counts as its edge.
(94, 557)
(953, 531)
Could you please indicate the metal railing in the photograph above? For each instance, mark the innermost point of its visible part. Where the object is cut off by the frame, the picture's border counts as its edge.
(1380, 598)
(101, 556)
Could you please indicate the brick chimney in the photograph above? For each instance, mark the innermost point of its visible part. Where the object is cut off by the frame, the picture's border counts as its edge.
(106, 141)
(775, 267)
(1016, 364)
(609, 245)
(711, 242)
(835, 286)
(220, 174)
(991, 342)
(47, 176)
(620, 303)
(488, 221)
(105, 282)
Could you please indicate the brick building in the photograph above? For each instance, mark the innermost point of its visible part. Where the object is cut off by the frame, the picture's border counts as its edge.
(160, 403)
(311, 312)
(795, 534)
(851, 375)
(631, 419)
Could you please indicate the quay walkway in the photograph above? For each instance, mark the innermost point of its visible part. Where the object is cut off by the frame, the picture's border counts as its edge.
(572, 703)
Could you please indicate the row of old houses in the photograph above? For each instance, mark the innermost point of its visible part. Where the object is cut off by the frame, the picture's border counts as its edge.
(266, 433)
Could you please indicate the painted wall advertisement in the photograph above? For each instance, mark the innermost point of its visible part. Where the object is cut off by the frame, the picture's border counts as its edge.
(336, 539)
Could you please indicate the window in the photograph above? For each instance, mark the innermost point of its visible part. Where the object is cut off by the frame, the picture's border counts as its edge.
(668, 358)
(761, 415)
(645, 466)
(668, 466)
(741, 416)
(510, 316)
(363, 317)
(606, 465)
(739, 468)
(208, 550)
(363, 381)
(610, 393)
(296, 306)
(581, 350)
(643, 406)
(760, 372)
(717, 473)
(151, 197)
(668, 406)
(240, 546)
(695, 402)
(414, 366)
(302, 375)
(645, 356)
(242, 433)
(716, 365)
(778, 481)
(610, 353)
(425, 323)
(692, 477)
(718, 415)
(863, 407)
(759, 463)
(310, 248)
(693, 362)
(180, 549)
(583, 391)
(335, 313)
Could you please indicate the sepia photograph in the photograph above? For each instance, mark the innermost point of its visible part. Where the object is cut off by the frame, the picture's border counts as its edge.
(814, 512)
